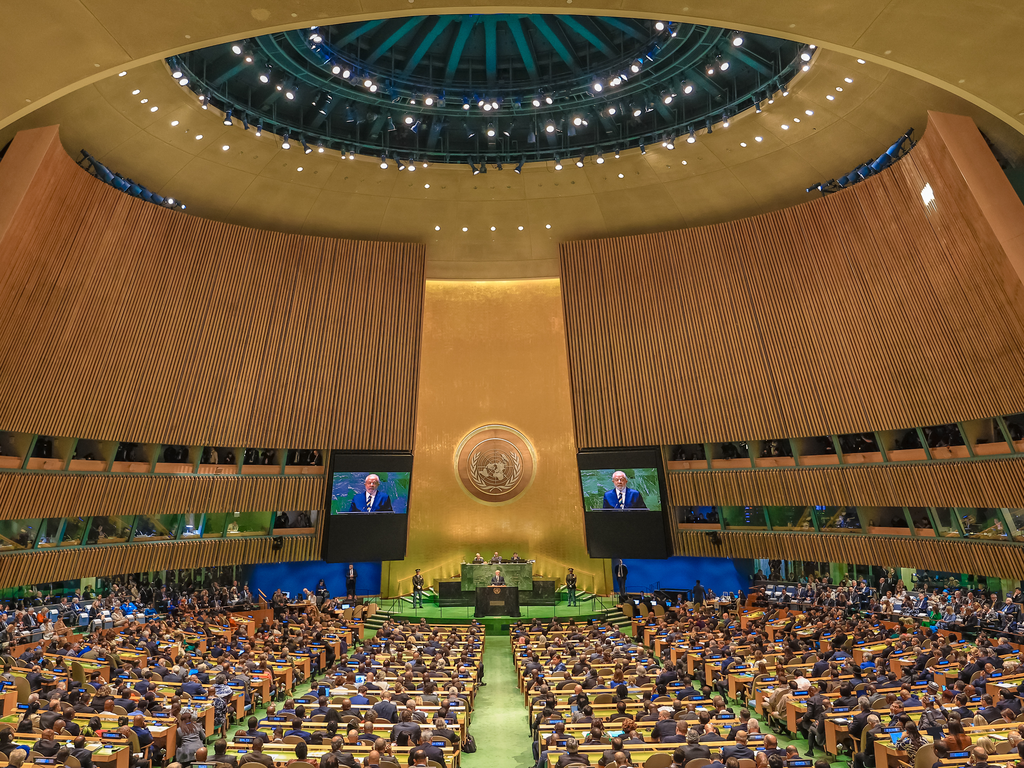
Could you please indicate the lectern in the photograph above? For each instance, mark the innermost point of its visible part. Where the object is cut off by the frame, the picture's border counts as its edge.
(497, 601)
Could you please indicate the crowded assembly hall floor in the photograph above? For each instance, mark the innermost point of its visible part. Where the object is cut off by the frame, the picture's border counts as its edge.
(753, 685)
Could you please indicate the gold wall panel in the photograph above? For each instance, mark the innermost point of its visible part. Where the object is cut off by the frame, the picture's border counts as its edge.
(25, 495)
(44, 566)
(123, 320)
(494, 353)
(864, 310)
(955, 555)
(988, 483)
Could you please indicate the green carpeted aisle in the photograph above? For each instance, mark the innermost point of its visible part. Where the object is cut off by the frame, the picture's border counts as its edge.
(499, 717)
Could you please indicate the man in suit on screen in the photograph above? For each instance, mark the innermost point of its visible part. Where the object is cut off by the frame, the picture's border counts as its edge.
(622, 496)
(372, 499)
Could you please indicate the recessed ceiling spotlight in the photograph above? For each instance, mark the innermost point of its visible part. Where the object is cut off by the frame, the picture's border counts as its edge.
(687, 88)
(611, 110)
(809, 112)
(830, 97)
(520, 227)
(226, 147)
(144, 101)
(805, 56)
(796, 119)
(174, 123)
(236, 49)
(153, 109)
(684, 162)
(660, 26)
(743, 143)
(136, 92)
(426, 186)
(848, 79)
(737, 41)
(839, 88)
(199, 136)
(183, 81)
(465, 229)
(122, 74)
(724, 66)
(621, 176)
(861, 61)
(547, 226)
(492, 229)
(758, 138)
(437, 228)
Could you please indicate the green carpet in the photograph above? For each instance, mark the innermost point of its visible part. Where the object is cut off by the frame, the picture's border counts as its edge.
(499, 717)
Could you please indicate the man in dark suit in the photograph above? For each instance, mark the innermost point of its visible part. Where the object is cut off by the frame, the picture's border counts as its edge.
(572, 755)
(83, 755)
(433, 753)
(372, 499)
(608, 756)
(621, 571)
(622, 496)
(679, 737)
(694, 749)
(497, 580)
(350, 581)
(739, 750)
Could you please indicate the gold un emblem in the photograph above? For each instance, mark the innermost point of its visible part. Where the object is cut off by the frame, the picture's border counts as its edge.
(495, 463)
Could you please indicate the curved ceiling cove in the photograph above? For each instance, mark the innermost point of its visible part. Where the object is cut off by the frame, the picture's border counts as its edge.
(490, 88)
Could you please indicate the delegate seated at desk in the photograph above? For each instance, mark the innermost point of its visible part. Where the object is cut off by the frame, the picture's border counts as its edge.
(478, 560)
(497, 580)
(495, 559)
(622, 496)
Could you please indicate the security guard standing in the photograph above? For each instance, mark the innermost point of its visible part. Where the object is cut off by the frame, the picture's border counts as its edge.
(417, 590)
(570, 587)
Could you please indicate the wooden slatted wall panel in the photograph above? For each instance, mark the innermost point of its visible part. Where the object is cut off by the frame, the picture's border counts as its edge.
(57, 565)
(861, 311)
(125, 321)
(953, 555)
(993, 483)
(30, 495)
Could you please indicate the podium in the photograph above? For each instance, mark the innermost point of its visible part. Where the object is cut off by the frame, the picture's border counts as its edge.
(497, 601)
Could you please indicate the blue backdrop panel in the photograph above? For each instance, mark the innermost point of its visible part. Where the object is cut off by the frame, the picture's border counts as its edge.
(719, 573)
(292, 577)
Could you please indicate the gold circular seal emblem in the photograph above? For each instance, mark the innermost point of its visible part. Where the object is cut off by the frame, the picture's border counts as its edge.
(495, 463)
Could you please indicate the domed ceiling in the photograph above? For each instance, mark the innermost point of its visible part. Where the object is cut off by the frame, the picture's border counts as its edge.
(495, 88)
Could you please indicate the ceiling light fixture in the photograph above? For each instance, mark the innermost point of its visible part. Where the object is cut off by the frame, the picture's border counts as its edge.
(286, 144)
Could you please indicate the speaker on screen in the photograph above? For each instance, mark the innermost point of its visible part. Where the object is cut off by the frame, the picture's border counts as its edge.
(367, 506)
(623, 508)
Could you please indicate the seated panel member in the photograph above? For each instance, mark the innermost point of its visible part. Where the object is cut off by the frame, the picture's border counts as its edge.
(372, 499)
(498, 579)
(622, 496)
(495, 559)
(478, 559)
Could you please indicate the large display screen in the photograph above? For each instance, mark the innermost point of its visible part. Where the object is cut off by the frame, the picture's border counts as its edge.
(622, 503)
(368, 505)
(370, 492)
